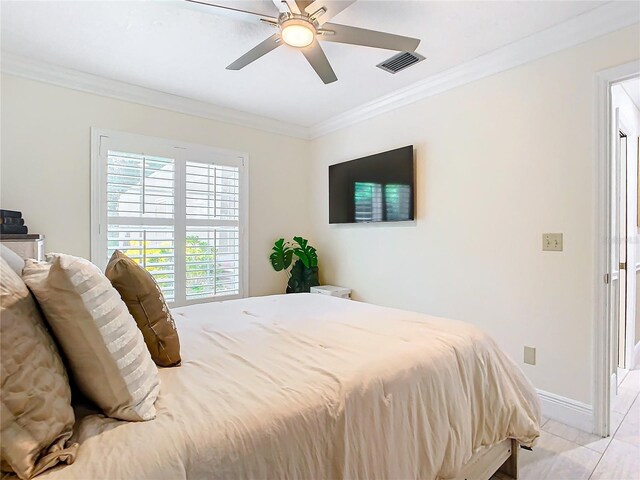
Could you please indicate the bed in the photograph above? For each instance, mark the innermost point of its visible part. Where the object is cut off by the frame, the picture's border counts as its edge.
(315, 387)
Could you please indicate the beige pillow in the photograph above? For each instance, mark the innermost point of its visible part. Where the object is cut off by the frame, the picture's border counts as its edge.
(145, 302)
(36, 414)
(106, 352)
(14, 260)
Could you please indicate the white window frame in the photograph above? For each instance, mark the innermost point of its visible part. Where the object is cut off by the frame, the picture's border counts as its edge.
(103, 140)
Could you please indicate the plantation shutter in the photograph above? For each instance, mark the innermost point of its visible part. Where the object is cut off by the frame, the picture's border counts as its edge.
(212, 230)
(177, 212)
(141, 209)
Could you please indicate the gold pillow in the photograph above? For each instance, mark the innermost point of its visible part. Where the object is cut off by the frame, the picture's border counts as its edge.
(36, 413)
(147, 306)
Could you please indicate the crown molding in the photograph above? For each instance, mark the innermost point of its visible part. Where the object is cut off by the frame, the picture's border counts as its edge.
(594, 23)
(64, 77)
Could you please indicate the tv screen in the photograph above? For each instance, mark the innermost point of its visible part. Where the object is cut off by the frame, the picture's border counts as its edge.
(377, 188)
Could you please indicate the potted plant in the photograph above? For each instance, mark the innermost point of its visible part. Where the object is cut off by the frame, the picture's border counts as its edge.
(304, 273)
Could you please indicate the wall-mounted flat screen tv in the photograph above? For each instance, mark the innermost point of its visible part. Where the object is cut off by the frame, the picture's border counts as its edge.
(377, 188)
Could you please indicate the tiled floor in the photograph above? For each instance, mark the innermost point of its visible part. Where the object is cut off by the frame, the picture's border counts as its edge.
(564, 453)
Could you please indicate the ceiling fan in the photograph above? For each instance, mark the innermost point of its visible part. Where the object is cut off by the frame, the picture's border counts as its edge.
(301, 23)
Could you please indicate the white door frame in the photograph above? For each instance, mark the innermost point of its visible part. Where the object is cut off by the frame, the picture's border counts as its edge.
(602, 164)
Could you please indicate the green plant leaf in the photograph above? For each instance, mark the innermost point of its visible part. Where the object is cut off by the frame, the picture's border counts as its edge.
(305, 252)
(281, 255)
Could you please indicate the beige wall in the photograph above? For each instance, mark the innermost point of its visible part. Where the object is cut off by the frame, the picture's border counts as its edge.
(45, 157)
(499, 162)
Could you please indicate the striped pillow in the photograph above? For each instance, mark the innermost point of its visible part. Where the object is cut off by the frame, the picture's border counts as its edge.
(105, 349)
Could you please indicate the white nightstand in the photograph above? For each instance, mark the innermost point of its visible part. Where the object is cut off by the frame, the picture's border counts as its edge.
(332, 291)
(30, 245)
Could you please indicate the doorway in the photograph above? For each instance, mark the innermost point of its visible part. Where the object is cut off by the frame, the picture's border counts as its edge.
(624, 245)
(620, 248)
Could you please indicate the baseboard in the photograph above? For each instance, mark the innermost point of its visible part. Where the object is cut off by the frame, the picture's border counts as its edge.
(636, 356)
(565, 410)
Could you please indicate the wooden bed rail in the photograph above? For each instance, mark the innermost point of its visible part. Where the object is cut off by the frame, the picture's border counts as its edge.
(499, 461)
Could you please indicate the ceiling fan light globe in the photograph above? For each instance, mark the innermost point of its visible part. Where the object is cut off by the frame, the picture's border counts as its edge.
(298, 35)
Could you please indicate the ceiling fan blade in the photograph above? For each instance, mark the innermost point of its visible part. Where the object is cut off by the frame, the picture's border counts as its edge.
(303, 4)
(286, 6)
(229, 8)
(331, 7)
(256, 52)
(318, 60)
(368, 38)
(293, 6)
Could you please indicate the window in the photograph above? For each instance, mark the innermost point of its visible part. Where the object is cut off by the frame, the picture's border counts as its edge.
(178, 210)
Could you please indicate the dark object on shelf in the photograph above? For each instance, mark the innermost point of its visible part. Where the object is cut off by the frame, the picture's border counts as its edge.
(16, 229)
(11, 221)
(10, 213)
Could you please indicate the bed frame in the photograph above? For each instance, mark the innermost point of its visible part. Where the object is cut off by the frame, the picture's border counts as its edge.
(498, 462)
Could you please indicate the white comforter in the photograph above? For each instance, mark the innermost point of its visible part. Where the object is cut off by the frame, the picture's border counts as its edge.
(314, 387)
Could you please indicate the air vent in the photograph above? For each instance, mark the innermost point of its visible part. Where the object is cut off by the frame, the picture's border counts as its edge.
(400, 61)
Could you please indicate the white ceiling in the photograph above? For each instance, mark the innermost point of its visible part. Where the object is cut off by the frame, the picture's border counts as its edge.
(171, 48)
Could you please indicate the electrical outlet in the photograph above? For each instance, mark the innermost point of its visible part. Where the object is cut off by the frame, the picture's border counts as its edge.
(530, 355)
(552, 242)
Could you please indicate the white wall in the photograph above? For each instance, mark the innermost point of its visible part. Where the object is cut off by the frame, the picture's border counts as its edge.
(499, 162)
(45, 157)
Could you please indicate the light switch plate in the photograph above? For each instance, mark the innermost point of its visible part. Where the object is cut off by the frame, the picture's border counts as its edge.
(530, 355)
(552, 242)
